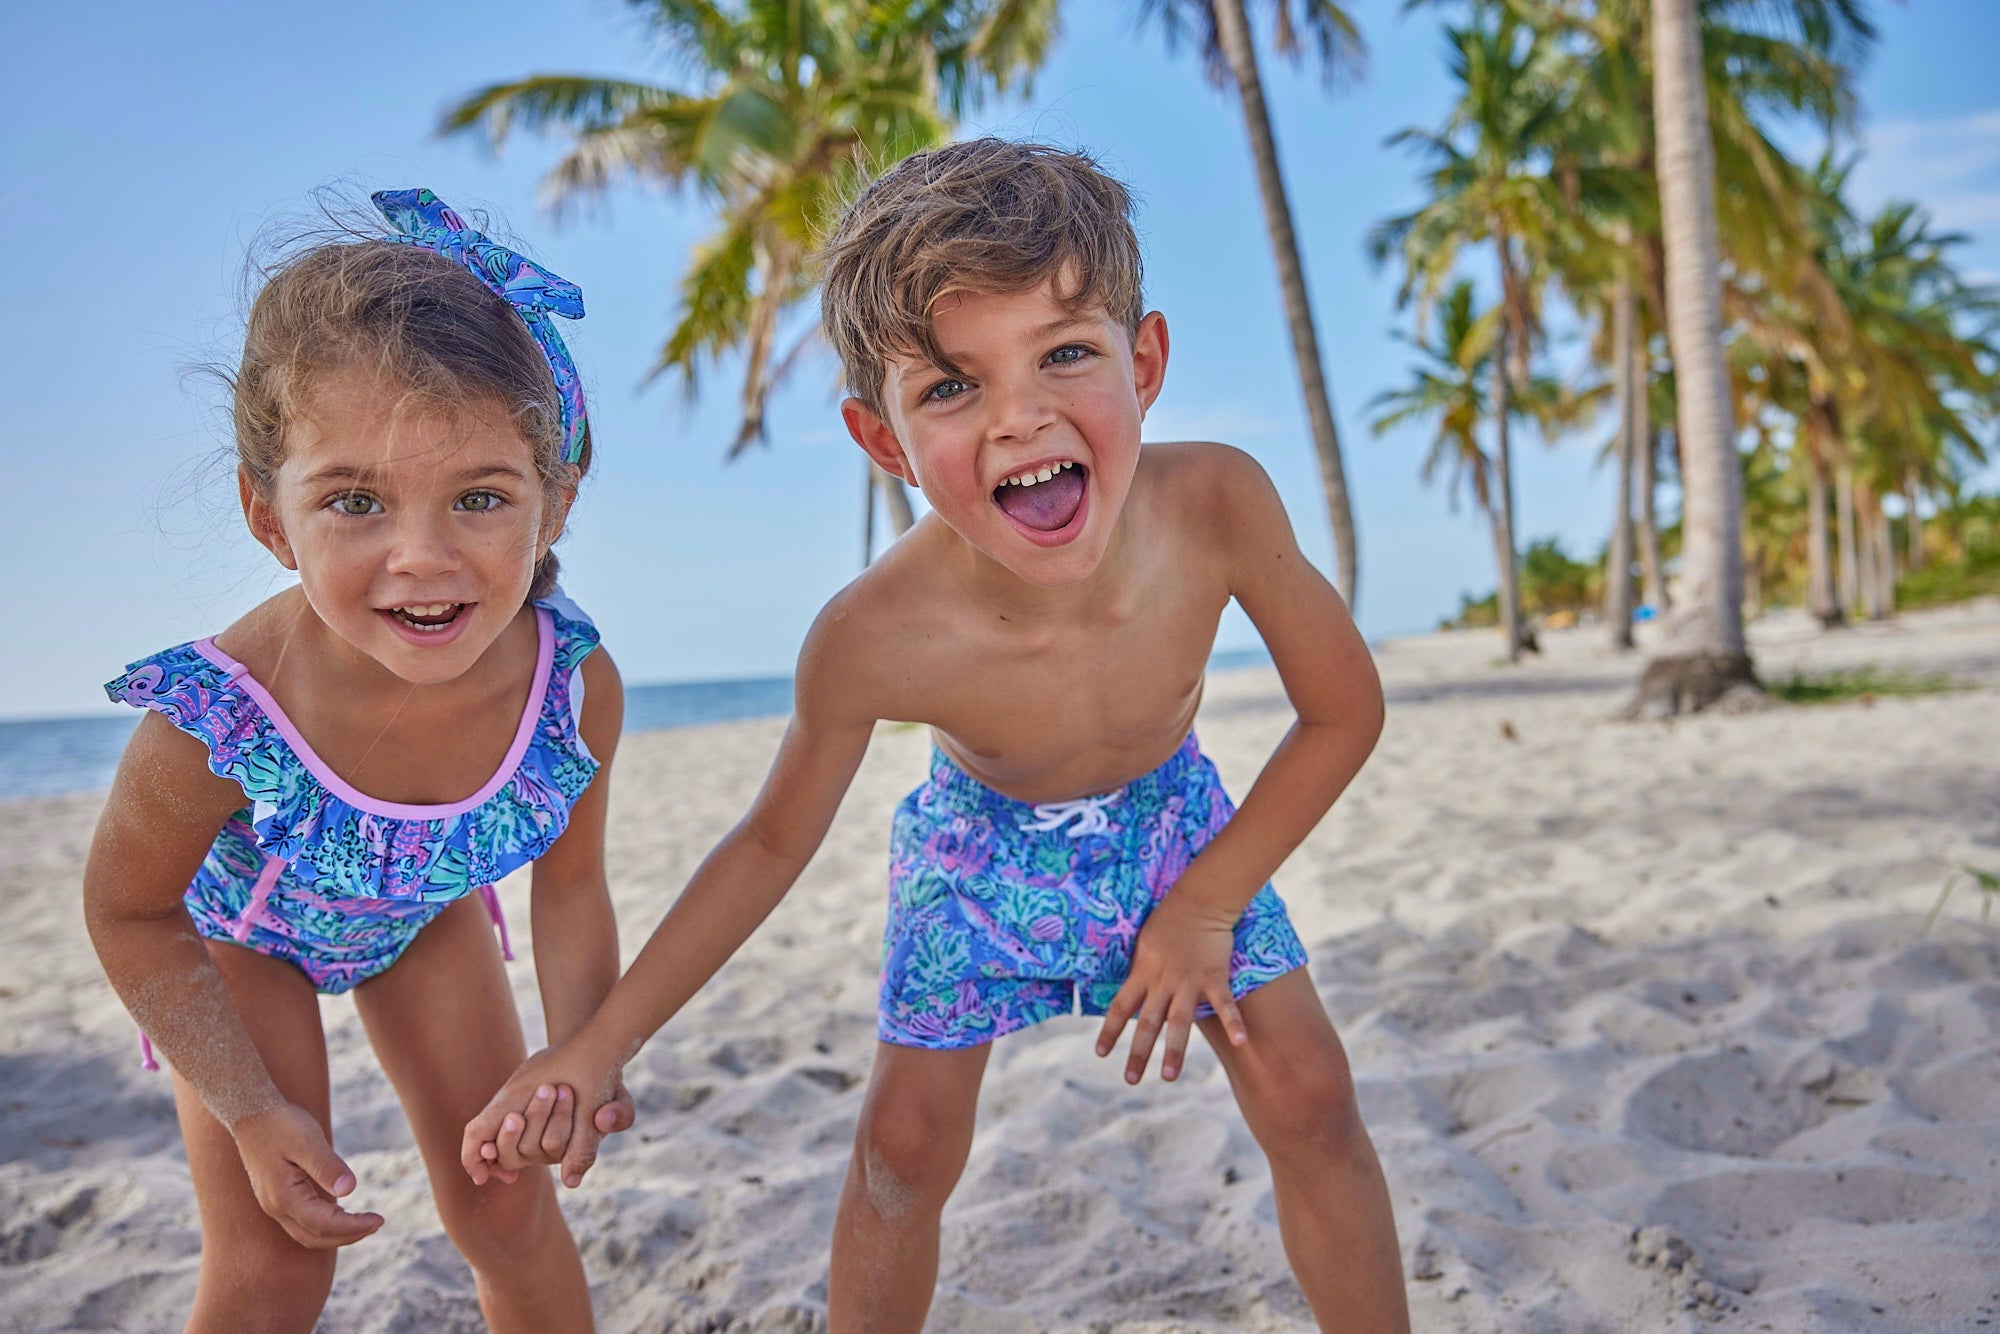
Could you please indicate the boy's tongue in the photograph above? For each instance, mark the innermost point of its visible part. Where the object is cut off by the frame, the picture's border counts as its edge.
(1045, 506)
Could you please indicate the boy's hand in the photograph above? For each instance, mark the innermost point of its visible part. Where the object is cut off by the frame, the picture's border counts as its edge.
(531, 1122)
(297, 1176)
(1180, 959)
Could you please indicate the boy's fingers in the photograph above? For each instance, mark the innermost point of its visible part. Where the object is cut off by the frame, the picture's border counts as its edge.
(1117, 1015)
(616, 1115)
(1143, 1036)
(582, 1154)
(1179, 1020)
(511, 1128)
(1224, 1004)
(555, 1135)
(476, 1149)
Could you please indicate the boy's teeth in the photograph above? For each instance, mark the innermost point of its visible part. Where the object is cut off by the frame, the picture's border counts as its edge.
(1042, 475)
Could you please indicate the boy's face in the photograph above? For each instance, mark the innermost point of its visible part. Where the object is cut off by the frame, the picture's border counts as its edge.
(1041, 394)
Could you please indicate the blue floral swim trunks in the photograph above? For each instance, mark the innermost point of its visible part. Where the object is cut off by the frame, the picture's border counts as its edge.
(1004, 913)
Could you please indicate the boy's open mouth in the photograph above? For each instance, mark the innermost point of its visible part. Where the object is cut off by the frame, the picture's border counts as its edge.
(427, 617)
(1044, 498)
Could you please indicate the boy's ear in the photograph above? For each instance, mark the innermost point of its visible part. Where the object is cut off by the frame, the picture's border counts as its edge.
(1149, 359)
(263, 520)
(877, 438)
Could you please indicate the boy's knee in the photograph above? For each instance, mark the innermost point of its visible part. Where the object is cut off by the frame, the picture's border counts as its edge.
(1315, 1114)
(910, 1156)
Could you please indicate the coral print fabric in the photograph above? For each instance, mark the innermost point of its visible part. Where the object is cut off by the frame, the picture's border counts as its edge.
(1002, 914)
(328, 878)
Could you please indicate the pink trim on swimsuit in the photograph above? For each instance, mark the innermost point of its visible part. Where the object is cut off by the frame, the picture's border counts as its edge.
(334, 783)
(260, 894)
(492, 898)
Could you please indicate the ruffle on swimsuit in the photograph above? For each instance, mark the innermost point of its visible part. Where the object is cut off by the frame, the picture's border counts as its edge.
(331, 879)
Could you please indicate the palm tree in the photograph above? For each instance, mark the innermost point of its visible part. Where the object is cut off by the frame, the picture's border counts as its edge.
(1221, 29)
(787, 103)
(1703, 655)
(1501, 171)
(1456, 386)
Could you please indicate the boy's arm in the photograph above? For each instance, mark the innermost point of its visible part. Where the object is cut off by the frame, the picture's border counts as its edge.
(732, 892)
(162, 816)
(1182, 953)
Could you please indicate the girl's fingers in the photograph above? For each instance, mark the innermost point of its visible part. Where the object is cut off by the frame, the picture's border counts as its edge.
(616, 1115)
(555, 1135)
(476, 1148)
(511, 1127)
(541, 1109)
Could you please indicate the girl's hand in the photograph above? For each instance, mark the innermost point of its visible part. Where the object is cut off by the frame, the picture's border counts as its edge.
(297, 1176)
(571, 1077)
(1180, 959)
(540, 1136)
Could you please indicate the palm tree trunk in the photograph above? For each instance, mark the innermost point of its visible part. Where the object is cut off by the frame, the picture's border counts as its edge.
(1865, 549)
(1915, 521)
(1703, 655)
(1850, 574)
(1503, 505)
(1652, 571)
(1821, 595)
(867, 512)
(1233, 33)
(897, 496)
(1618, 559)
(1885, 568)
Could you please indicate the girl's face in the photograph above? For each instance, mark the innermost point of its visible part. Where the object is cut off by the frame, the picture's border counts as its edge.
(414, 531)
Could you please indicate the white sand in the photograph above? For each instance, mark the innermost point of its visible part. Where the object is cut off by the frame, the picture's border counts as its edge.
(1596, 979)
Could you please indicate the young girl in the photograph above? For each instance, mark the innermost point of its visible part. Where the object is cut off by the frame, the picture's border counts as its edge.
(320, 796)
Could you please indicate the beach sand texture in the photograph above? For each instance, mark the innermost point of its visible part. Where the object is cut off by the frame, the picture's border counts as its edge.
(1644, 1024)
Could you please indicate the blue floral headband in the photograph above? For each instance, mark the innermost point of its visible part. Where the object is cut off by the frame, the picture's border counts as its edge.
(422, 219)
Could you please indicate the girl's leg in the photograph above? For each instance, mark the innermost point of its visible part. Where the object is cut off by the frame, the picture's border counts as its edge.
(915, 1132)
(1292, 1082)
(254, 1277)
(442, 1022)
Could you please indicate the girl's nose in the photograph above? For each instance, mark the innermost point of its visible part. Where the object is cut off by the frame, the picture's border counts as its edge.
(424, 547)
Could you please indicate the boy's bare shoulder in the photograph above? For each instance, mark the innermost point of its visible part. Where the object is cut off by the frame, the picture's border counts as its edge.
(845, 664)
(1207, 481)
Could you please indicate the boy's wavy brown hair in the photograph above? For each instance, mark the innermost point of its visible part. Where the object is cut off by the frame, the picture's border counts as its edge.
(987, 215)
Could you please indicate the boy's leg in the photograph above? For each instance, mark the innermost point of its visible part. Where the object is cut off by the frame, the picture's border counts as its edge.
(1292, 1082)
(911, 1145)
(443, 1024)
(253, 1275)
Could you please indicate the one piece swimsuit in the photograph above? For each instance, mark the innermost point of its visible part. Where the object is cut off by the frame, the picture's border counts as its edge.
(334, 881)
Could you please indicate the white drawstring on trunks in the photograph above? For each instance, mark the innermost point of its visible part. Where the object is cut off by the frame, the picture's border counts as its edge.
(1087, 812)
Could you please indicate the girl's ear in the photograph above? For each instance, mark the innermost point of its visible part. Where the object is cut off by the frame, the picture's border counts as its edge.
(557, 517)
(878, 439)
(262, 518)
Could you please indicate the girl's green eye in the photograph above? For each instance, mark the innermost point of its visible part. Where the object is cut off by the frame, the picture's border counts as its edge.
(355, 503)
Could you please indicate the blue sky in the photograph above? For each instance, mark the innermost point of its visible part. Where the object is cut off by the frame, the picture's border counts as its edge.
(149, 144)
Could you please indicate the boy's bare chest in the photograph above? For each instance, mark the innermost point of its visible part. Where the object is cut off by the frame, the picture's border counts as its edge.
(1049, 712)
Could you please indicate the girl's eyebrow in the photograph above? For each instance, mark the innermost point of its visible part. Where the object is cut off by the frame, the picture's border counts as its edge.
(347, 472)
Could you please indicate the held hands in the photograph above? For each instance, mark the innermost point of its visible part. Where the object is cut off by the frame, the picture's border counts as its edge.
(297, 1176)
(533, 1122)
(1180, 959)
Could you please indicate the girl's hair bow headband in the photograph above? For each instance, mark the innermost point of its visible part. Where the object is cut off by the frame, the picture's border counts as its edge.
(422, 219)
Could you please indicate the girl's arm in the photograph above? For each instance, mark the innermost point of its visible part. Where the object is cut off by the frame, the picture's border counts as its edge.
(163, 814)
(736, 887)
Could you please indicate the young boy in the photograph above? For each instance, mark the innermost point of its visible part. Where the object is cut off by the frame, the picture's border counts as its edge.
(1049, 620)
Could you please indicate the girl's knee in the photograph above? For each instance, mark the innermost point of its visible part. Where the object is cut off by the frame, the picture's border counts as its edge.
(498, 1227)
(909, 1154)
(271, 1284)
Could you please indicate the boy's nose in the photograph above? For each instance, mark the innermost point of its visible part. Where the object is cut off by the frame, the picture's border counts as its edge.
(1019, 415)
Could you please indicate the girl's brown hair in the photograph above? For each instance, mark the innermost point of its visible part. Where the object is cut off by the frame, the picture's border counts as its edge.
(410, 316)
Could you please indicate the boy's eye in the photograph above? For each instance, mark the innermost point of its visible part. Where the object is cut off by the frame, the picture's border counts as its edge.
(1069, 354)
(480, 502)
(943, 390)
(355, 503)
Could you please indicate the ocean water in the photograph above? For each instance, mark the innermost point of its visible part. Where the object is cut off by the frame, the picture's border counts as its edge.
(49, 756)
